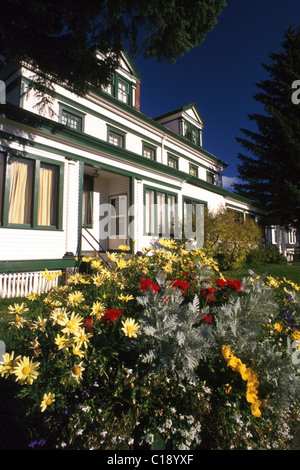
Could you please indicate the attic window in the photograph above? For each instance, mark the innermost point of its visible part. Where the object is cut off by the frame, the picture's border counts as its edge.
(191, 133)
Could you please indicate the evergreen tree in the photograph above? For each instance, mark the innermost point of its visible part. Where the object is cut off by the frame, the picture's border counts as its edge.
(58, 37)
(271, 176)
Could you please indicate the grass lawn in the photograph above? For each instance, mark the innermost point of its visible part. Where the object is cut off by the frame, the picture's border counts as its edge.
(289, 271)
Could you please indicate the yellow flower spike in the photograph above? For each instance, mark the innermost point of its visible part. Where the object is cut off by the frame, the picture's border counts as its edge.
(255, 409)
(278, 326)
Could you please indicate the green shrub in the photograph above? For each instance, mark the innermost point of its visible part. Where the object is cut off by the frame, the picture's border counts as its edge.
(270, 255)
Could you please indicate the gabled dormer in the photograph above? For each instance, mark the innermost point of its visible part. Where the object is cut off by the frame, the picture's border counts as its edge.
(124, 84)
(186, 122)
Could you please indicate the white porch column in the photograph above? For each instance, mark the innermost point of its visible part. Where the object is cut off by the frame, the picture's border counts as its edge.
(72, 210)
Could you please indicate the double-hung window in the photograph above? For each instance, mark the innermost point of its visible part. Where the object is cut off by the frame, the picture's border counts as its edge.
(123, 91)
(160, 213)
(30, 192)
(20, 191)
(48, 195)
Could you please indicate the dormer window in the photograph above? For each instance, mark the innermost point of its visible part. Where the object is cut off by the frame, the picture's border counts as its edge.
(123, 91)
(191, 132)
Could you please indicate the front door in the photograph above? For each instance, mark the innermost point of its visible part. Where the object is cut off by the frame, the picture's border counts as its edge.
(118, 220)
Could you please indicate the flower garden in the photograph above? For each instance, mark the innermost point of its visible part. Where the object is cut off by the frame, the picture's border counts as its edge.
(157, 351)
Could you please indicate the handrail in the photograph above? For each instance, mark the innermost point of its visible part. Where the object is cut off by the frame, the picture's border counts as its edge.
(97, 241)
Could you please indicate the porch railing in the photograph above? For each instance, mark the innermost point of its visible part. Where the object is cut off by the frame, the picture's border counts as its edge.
(23, 284)
(96, 250)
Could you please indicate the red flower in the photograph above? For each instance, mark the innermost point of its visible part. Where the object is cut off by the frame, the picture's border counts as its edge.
(111, 316)
(233, 285)
(146, 284)
(207, 318)
(87, 323)
(209, 293)
(182, 285)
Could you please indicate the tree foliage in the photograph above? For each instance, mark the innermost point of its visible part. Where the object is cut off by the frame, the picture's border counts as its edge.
(270, 177)
(60, 37)
(229, 238)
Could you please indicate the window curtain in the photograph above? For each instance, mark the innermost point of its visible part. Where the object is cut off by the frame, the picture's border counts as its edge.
(1, 183)
(20, 193)
(87, 201)
(47, 195)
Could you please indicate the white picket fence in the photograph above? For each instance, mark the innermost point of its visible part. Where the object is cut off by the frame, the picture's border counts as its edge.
(23, 284)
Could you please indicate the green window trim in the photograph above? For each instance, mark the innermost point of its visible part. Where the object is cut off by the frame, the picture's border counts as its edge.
(149, 148)
(190, 132)
(210, 177)
(119, 87)
(193, 201)
(117, 135)
(166, 194)
(193, 170)
(71, 112)
(33, 225)
(173, 161)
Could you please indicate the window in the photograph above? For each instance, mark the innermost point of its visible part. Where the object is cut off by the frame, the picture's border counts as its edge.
(160, 213)
(210, 177)
(116, 137)
(123, 91)
(193, 170)
(20, 191)
(2, 180)
(71, 120)
(30, 193)
(87, 201)
(149, 152)
(110, 87)
(193, 216)
(173, 161)
(118, 216)
(47, 195)
(190, 132)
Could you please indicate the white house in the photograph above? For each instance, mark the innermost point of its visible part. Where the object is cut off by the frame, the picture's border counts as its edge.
(96, 173)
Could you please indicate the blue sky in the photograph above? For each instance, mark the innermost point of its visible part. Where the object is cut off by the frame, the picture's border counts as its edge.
(220, 75)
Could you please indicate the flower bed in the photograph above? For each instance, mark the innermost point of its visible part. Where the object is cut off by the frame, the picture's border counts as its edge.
(157, 351)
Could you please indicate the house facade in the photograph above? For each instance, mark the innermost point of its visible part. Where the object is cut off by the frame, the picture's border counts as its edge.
(92, 173)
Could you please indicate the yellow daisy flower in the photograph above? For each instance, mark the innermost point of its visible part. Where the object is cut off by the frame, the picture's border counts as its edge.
(124, 247)
(75, 298)
(59, 316)
(77, 371)
(48, 399)
(18, 308)
(26, 370)
(125, 298)
(98, 309)
(82, 338)
(130, 328)
(9, 362)
(73, 324)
